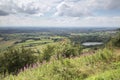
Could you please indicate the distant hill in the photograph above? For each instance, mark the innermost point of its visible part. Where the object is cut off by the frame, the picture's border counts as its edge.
(53, 29)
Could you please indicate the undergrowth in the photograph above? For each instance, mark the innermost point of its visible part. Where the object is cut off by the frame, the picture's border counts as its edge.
(103, 65)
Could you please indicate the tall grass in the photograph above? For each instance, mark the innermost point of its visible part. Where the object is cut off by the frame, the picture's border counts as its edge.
(81, 68)
(107, 75)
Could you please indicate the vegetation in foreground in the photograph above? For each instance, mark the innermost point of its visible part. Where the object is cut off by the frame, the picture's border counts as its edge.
(103, 65)
(62, 61)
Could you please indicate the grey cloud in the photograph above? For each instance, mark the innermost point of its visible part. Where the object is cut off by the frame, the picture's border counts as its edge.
(72, 8)
(113, 4)
(26, 7)
(66, 9)
(27, 10)
(78, 8)
(3, 13)
(72, 0)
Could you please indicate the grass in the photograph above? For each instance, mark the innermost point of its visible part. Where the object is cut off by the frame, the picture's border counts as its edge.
(6, 44)
(45, 38)
(35, 42)
(103, 65)
(107, 75)
(1, 38)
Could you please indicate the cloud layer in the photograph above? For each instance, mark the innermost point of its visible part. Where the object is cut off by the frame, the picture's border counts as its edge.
(28, 7)
(63, 12)
(62, 7)
(85, 7)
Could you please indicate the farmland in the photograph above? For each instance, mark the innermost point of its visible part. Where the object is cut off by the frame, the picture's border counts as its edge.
(20, 37)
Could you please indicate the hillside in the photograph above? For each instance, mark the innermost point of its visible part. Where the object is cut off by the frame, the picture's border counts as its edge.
(103, 65)
(62, 58)
(59, 39)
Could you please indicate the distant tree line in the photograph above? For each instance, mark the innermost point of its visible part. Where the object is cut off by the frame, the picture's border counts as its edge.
(89, 38)
(24, 40)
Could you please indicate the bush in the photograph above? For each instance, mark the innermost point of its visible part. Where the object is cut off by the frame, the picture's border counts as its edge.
(14, 59)
(71, 51)
(59, 51)
(104, 55)
(116, 40)
(48, 52)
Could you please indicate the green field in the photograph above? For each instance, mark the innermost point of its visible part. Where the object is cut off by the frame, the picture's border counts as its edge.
(27, 39)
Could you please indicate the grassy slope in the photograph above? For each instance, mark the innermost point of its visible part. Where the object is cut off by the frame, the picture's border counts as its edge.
(113, 73)
(100, 66)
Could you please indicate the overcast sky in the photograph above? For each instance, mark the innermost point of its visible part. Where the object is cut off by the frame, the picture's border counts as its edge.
(60, 13)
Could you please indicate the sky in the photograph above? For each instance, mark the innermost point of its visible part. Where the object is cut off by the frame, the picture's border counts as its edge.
(66, 13)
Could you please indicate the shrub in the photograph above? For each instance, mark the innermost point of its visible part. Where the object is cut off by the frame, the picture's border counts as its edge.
(14, 59)
(71, 51)
(104, 55)
(48, 52)
(59, 51)
(116, 40)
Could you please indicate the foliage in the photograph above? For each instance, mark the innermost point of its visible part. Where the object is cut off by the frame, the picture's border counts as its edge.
(14, 59)
(48, 52)
(116, 40)
(91, 37)
(60, 50)
(108, 75)
(91, 67)
(71, 50)
(64, 60)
